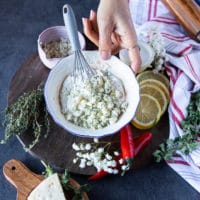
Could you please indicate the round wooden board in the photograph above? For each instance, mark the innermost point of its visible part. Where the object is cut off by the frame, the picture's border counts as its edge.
(56, 149)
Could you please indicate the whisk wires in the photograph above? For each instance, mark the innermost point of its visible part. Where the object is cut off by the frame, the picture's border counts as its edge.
(82, 70)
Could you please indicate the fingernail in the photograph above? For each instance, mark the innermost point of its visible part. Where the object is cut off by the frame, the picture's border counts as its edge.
(91, 13)
(133, 69)
(83, 20)
(105, 55)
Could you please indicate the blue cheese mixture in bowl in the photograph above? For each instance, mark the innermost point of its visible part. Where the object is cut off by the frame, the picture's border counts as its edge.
(94, 103)
(95, 108)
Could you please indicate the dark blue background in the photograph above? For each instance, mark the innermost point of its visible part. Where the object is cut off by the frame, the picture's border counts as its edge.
(21, 21)
(198, 1)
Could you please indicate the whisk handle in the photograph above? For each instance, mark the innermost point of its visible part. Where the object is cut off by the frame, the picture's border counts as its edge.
(71, 25)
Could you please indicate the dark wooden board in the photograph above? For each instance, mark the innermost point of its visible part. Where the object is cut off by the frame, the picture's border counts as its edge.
(25, 180)
(57, 148)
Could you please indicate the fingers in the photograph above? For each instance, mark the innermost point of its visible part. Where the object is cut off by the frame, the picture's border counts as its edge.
(90, 32)
(93, 20)
(115, 43)
(129, 41)
(90, 28)
(135, 59)
(133, 52)
(105, 31)
(105, 42)
(110, 41)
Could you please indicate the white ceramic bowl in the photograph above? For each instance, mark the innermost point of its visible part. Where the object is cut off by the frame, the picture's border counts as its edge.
(146, 52)
(52, 34)
(115, 66)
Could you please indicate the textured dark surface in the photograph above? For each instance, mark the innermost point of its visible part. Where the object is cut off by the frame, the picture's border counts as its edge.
(20, 23)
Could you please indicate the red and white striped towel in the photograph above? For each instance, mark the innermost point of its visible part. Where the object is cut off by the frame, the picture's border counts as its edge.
(184, 72)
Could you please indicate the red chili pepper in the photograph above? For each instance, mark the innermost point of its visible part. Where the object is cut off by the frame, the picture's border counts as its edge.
(98, 175)
(127, 144)
(142, 141)
(103, 173)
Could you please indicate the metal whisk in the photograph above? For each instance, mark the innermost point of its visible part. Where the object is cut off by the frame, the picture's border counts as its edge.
(81, 68)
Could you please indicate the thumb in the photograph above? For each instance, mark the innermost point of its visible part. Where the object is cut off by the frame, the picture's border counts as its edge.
(105, 42)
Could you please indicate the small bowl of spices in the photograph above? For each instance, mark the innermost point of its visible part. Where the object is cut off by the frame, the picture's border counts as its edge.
(54, 45)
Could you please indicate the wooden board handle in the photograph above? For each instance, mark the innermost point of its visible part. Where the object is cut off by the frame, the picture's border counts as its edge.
(21, 177)
(25, 180)
(187, 13)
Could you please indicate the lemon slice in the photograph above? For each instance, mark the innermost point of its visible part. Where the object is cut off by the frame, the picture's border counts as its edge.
(148, 112)
(156, 83)
(146, 53)
(156, 92)
(150, 74)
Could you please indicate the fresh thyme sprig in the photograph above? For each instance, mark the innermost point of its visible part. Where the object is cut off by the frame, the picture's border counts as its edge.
(191, 128)
(28, 112)
(78, 191)
(48, 169)
(66, 184)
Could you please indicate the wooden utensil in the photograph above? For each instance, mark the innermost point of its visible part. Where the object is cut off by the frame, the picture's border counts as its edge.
(187, 13)
(25, 180)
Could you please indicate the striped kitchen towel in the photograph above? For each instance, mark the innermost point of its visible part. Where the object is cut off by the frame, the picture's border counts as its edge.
(183, 69)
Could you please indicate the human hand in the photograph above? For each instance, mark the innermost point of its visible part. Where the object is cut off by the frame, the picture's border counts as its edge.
(112, 29)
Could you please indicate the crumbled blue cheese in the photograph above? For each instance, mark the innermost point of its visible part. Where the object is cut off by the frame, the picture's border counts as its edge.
(95, 103)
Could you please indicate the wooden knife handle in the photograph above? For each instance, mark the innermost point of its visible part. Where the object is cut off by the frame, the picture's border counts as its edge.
(21, 177)
(187, 13)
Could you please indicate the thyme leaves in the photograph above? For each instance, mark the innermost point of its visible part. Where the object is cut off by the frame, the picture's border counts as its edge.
(27, 113)
(191, 128)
